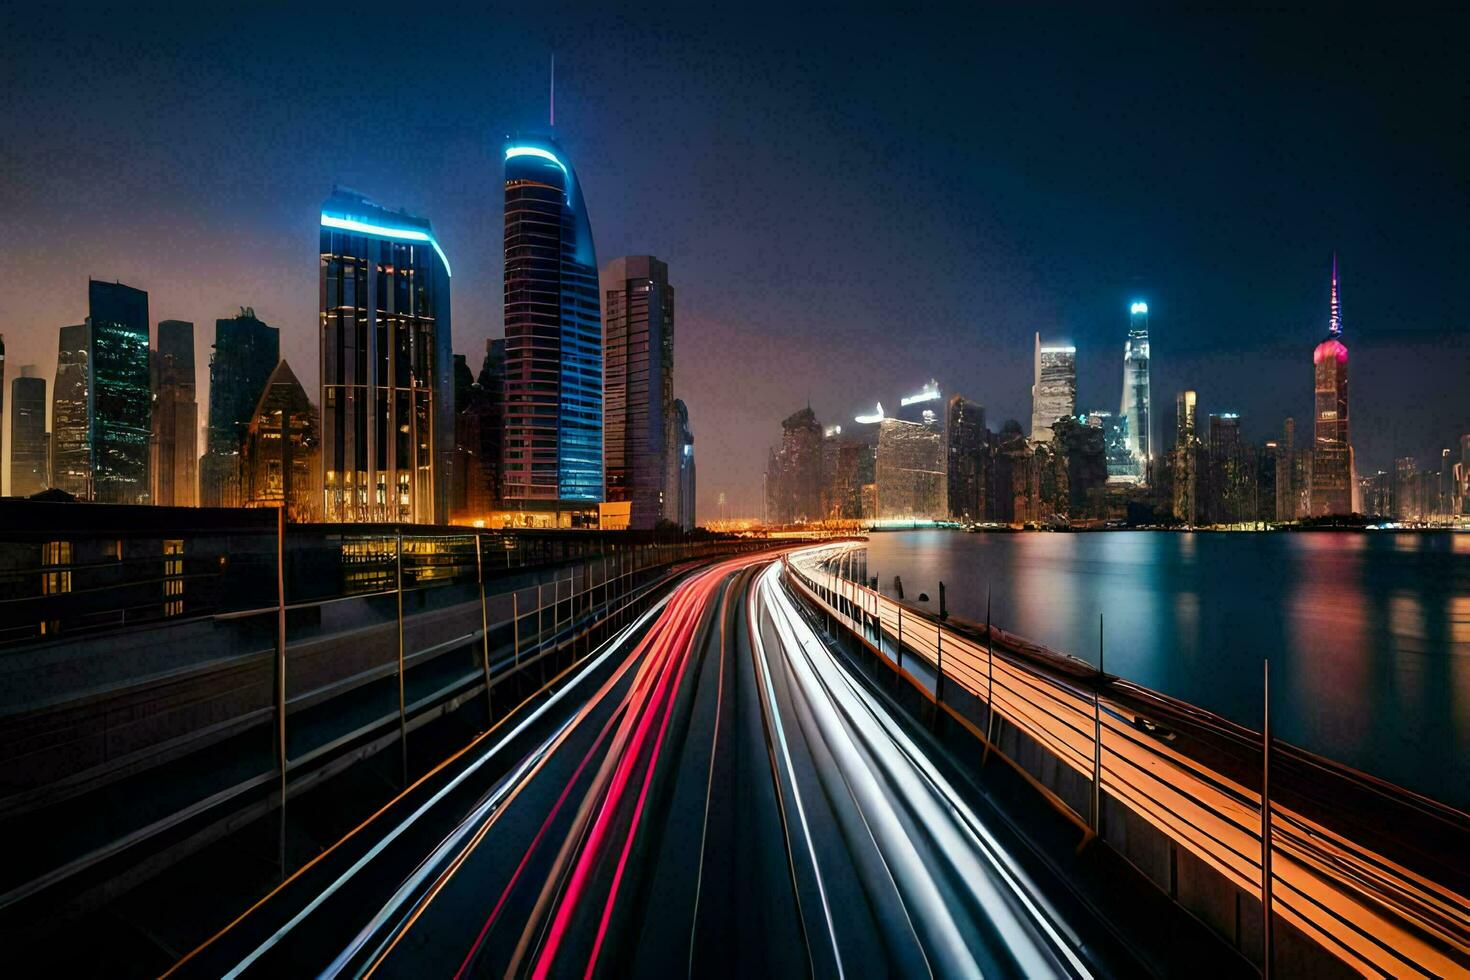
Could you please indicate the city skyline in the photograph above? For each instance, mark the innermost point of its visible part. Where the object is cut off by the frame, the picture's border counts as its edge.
(1232, 296)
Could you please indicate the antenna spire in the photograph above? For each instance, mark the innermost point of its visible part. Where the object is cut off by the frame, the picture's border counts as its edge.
(553, 88)
(1334, 323)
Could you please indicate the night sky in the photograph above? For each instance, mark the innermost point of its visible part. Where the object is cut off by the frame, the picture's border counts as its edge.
(848, 205)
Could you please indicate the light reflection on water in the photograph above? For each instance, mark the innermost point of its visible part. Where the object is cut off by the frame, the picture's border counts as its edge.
(1368, 634)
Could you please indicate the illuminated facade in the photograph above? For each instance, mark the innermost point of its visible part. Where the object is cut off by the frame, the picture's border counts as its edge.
(794, 473)
(1054, 393)
(910, 473)
(281, 458)
(967, 445)
(1188, 461)
(175, 448)
(552, 454)
(119, 393)
(387, 401)
(1332, 453)
(246, 350)
(28, 469)
(640, 437)
(1136, 411)
(71, 440)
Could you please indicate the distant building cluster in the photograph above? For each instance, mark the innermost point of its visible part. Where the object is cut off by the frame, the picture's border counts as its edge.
(936, 460)
(572, 420)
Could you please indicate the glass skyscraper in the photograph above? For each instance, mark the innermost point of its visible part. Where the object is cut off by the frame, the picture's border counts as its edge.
(119, 395)
(387, 384)
(640, 448)
(1054, 393)
(28, 467)
(71, 440)
(175, 459)
(245, 353)
(1136, 409)
(1332, 453)
(553, 338)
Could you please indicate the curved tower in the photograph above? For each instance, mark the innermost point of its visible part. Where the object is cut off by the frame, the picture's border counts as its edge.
(1332, 453)
(552, 455)
(1136, 407)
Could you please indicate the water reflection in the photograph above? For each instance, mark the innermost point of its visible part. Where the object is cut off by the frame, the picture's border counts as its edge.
(1368, 634)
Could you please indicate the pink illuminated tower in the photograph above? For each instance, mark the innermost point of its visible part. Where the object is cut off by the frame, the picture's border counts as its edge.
(1332, 454)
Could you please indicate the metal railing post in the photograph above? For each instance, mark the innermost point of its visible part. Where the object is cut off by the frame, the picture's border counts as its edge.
(281, 676)
(484, 630)
(402, 705)
(540, 634)
(1097, 733)
(1266, 875)
(989, 683)
(938, 666)
(899, 648)
(515, 627)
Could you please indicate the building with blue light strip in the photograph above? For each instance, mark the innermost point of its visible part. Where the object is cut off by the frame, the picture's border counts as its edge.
(552, 463)
(387, 405)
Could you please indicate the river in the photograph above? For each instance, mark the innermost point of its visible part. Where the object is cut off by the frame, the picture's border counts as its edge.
(1368, 634)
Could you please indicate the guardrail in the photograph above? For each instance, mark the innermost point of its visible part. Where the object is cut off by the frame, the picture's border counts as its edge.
(1371, 912)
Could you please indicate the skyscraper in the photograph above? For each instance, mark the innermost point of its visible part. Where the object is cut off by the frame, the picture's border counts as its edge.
(911, 473)
(1054, 394)
(386, 365)
(71, 439)
(1332, 453)
(640, 436)
(1137, 407)
(28, 464)
(175, 444)
(966, 434)
(553, 461)
(1187, 453)
(2, 409)
(245, 352)
(119, 395)
(794, 473)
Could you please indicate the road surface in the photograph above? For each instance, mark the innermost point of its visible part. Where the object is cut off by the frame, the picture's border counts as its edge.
(712, 793)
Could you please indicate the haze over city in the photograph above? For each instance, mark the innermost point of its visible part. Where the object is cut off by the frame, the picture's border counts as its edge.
(848, 207)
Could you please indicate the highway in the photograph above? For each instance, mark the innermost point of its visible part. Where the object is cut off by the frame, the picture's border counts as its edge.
(711, 793)
(1379, 917)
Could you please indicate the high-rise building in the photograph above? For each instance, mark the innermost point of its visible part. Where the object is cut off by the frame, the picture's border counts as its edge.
(28, 463)
(640, 432)
(175, 444)
(71, 437)
(1377, 494)
(119, 394)
(281, 457)
(967, 444)
(911, 475)
(684, 496)
(1137, 409)
(794, 472)
(552, 454)
(1332, 453)
(387, 386)
(1405, 488)
(1187, 460)
(1462, 480)
(1054, 393)
(1231, 480)
(246, 351)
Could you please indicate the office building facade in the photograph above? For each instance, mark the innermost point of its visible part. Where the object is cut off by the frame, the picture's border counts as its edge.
(71, 438)
(910, 472)
(119, 393)
(640, 431)
(1136, 410)
(967, 440)
(1332, 453)
(175, 445)
(552, 457)
(28, 448)
(246, 351)
(280, 460)
(387, 387)
(1054, 392)
(682, 508)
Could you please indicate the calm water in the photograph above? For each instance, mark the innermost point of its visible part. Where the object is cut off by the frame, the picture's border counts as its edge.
(1368, 634)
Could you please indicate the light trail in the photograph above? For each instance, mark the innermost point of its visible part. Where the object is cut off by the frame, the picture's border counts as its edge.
(1351, 900)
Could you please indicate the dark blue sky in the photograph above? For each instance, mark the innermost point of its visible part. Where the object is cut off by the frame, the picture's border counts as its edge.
(848, 204)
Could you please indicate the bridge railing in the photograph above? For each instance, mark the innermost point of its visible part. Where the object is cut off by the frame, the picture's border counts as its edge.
(1132, 766)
